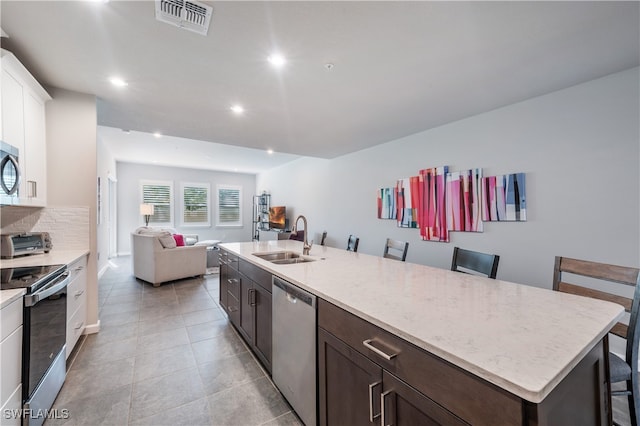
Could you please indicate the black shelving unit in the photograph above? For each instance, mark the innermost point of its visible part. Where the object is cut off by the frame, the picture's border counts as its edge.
(261, 204)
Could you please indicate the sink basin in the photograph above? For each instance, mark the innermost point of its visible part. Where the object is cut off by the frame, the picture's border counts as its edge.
(293, 260)
(278, 255)
(283, 257)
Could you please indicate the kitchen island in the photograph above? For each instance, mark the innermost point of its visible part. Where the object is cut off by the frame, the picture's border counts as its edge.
(521, 341)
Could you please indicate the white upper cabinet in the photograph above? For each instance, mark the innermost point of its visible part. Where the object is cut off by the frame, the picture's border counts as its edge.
(23, 126)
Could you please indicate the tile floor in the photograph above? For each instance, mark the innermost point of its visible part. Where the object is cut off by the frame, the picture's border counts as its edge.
(166, 356)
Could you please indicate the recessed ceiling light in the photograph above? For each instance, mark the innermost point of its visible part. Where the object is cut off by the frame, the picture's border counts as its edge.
(269, 151)
(157, 134)
(237, 109)
(277, 60)
(118, 82)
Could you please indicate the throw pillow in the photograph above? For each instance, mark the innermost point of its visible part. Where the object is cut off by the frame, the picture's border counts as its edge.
(179, 239)
(167, 241)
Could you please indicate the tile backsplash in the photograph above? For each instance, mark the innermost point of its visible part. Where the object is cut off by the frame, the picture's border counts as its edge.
(68, 226)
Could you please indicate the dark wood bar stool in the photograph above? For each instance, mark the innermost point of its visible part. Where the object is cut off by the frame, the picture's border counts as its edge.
(397, 250)
(472, 261)
(611, 276)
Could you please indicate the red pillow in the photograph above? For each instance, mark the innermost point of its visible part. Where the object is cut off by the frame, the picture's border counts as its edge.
(179, 239)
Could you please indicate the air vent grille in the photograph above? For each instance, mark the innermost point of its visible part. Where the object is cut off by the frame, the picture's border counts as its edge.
(187, 14)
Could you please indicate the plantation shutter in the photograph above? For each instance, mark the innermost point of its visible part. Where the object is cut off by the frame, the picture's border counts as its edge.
(229, 212)
(196, 204)
(160, 196)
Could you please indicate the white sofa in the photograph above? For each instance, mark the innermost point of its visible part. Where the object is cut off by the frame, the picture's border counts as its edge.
(154, 263)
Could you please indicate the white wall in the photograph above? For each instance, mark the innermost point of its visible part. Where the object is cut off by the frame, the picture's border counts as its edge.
(129, 198)
(579, 148)
(71, 170)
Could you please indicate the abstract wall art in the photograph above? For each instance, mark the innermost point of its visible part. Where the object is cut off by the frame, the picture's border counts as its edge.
(407, 194)
(464, 200)
(503, 198)
(387, 203)
(432, 217)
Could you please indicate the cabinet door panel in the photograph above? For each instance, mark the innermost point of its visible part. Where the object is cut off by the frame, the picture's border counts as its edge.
(349, 384)
(262, 330)
(246, 308)
(12, 111)
(224, 288)
(403, 405)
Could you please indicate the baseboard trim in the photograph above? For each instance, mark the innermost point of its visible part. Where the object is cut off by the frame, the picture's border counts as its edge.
(92, 328)
(104, 269)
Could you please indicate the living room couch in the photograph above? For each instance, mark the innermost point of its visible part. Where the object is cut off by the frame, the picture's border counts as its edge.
(155, 260)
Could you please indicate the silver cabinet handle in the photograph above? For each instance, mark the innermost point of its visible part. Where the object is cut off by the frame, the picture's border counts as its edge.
(367, 344)
(371, 415)
(232, 280)
(78, 293)
(78, 268)
(383, 396)
(80, 325)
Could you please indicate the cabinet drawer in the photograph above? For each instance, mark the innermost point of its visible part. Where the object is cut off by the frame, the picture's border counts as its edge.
(75, 328)
(228, 259)
(11, 318)
(256, 274)
(468, 397)
(10, 364)
(233, 284)
(76, 295)
(78, 268)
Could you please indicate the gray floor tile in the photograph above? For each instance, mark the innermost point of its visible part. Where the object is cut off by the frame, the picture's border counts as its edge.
(162, 362)
(207, 330)
(117, 299)
(228, 372)
(113, 333)
(159, 311)
(96, 352)
(119, 318)
(156, 395)
(195, 413)
(119, 308)
(109, 408)
(91, 381)
(255, 403)
(199, 305)
(222, 346)
(162, 340)
(160, 324)
(206, 315)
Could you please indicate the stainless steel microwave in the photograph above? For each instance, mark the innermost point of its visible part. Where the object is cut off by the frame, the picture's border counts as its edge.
(9, 174)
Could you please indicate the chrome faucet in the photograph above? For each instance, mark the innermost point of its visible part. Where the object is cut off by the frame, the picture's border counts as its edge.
(306, 247)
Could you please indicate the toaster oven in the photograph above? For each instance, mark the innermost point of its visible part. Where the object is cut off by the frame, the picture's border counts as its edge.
(12, 245)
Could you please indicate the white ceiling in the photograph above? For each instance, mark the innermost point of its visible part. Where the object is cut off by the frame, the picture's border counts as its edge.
(399, 67)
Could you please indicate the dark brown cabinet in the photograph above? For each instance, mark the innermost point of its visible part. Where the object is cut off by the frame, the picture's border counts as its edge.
(366, 373)
(245, 294)
(356, 391)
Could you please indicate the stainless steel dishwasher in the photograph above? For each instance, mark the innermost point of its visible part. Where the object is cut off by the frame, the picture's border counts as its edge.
(294, 347)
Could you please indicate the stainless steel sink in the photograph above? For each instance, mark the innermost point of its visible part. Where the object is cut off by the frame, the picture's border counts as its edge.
(283, 257)
(294, 260)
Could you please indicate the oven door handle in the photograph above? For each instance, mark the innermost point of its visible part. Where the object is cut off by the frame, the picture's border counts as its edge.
(46, 291)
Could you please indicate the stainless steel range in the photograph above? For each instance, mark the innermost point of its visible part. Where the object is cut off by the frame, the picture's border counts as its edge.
(44, 335)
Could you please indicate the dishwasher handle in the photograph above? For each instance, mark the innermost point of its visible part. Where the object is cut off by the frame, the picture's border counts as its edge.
(294, 293)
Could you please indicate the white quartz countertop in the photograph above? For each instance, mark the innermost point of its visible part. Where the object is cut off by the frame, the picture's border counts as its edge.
(54, 257)
(8, 296)
(521, 338)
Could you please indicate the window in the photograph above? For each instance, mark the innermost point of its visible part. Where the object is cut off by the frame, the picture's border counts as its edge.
(229, 205)
(195, 204)
(160, 194)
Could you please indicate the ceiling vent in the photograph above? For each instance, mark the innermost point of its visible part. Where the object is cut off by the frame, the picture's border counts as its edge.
(187, 14)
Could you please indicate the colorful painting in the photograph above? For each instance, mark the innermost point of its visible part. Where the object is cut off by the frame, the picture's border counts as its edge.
(387, 203)
(463, 197)
(432, 217)
(503, 198)
(407, 194)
